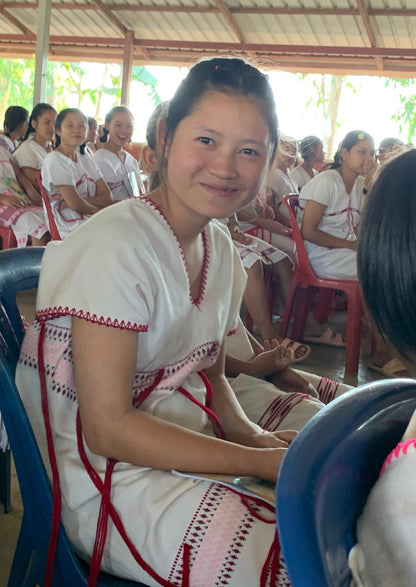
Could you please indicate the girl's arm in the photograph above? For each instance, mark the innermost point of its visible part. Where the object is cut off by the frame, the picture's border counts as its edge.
(74, 200)
(26, 185)
(312, 216)
(102, 197)
(104, 368)
(268, 223)
(29, 174)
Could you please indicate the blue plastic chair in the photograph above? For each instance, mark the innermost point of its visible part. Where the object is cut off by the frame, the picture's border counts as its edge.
(327, 474)
(19, 270)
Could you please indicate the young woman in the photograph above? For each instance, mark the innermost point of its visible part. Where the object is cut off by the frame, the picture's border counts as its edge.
(279, 182)
(331, 206)
(129, 337)
(16, 209)
(16, 120)
(71, 178)
(113, 160)
(92, 135)
(36, 144)
(311, 150)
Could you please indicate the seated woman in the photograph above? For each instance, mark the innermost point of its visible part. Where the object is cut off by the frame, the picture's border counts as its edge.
(132, 332)
(279, 182)
(311, 150)
(386, 531)
(330, 208)
(114, 162)
(71, 178)
(36, 144)
(16, 120)
(16, 209)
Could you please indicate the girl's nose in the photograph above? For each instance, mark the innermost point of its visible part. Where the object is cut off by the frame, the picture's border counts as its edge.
(223, 165)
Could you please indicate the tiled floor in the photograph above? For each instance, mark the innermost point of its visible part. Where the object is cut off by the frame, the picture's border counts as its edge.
(323, 360)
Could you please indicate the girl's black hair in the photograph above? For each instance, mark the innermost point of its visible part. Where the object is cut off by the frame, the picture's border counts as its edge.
(348, 142)
(159, 112)
(387, 252)
(109, 117)
(307, 146)
(58, 123)
(37, 112)
(229, 75)
(13, 118)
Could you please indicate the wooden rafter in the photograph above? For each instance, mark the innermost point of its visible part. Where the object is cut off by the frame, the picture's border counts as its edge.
(371, 38)
(223, 8)
(4, 12)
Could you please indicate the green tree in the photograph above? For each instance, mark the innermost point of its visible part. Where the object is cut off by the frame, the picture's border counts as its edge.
(406, 116)
(17, 77)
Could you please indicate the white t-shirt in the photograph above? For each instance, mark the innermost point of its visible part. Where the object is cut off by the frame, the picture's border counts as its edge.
(58, 169)
(115, 173)
(300, 176)
(29, 154)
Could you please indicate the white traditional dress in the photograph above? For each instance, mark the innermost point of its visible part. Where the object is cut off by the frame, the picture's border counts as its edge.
(279, 184)
(29, 154)
(26, 221)
(140, 283)
(300, 176)
(7, 143)
(58, 169)
(342, 215)
(267, 405)
(116, 173)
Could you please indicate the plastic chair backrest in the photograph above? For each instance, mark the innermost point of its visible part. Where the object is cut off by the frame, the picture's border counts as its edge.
(20, 270)
(53, 229)
(292, 203)
(327, 474)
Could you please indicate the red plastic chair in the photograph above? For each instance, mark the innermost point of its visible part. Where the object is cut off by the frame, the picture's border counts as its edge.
(53, 229)
(304, 279)
(7, 238)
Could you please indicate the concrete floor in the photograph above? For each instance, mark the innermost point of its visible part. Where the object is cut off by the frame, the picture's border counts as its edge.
(326, 361)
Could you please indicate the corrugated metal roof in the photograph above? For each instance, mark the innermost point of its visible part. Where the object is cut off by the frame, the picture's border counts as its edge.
(342, 36)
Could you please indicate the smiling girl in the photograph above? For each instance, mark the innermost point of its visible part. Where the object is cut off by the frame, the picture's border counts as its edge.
(37, 143)
(132, 331)
(71, 178)
(331, 206)
(113, 160)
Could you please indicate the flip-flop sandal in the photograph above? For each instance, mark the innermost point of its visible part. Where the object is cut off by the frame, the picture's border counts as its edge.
(392, 368)
(327, 338)
(293, 346)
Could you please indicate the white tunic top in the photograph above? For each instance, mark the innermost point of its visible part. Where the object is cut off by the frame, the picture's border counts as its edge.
(115, 173)
(29, 154)
(300, 176)
(342, 215)
(58, 169)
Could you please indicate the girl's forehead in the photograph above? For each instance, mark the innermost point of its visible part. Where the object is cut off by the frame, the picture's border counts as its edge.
(74, 117)
(122, 117)
(364, 144)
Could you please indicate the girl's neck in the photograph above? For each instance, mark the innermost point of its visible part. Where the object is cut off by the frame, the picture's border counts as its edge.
(70, 152)
(116, 149)
(44, 144)
(348, 177)
(186, 226)
(308, 167)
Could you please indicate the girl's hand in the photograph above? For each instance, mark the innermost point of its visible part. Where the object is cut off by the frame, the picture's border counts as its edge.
(270, 460)
(270, 361)
(268, 212)
(12, 201)
(239, 236)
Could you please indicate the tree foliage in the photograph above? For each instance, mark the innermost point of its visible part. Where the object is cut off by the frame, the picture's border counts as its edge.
(406, 116)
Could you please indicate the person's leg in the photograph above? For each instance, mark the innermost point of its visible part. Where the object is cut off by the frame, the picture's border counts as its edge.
(255, 301)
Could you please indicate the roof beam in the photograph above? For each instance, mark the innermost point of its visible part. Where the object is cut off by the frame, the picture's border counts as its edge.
(110, 16)
(16, 22)
(371, 38)
(222, 7)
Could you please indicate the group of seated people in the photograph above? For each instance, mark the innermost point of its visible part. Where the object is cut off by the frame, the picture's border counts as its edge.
(137, 349)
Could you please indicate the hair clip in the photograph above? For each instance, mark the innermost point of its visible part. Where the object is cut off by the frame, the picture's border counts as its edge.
(360, 136)
(216, 67)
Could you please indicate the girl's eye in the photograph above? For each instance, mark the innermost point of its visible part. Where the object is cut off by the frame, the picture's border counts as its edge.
(205, 140)
(251, 152)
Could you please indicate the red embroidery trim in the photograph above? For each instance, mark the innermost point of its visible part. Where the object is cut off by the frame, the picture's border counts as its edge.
(196, 302)
(401, 448)
(56, 487)
(51, 313)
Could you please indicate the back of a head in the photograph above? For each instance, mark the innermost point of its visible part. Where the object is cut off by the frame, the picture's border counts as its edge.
(307, 146)
(387, 252)
(14, 117)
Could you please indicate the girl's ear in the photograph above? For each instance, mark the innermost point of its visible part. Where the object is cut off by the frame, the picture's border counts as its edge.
(149, 158)
(343, 153)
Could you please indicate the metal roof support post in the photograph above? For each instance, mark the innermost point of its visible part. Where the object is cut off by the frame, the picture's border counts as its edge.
(127, 65)
(42, 49)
